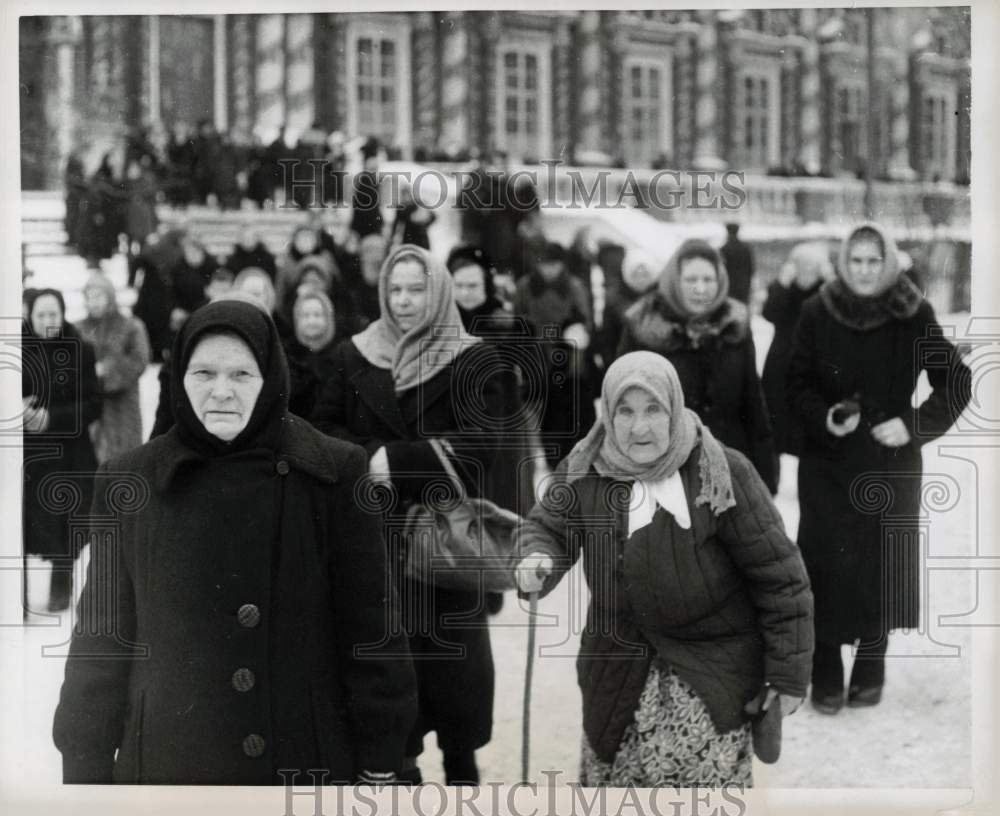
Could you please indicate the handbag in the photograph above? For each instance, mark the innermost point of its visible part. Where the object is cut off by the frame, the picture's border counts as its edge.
(468, 545)
(765, 724)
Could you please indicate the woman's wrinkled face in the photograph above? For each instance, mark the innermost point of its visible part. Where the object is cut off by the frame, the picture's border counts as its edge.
(96, 301)
(408, 293)
(305, 241)
(222, 382)
(470, 286)
(698, 285)
(641, 426)
(310, 319)
(46, 316)
(865, 266)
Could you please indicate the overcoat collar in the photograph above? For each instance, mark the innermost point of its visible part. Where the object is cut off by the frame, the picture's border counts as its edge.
(301, 448)
(376, 389)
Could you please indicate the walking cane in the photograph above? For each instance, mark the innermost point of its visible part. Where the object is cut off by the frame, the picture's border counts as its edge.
(526, 711)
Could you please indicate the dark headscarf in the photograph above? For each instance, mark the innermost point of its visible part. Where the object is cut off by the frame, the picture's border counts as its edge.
(31, 297)
(467, 255)
(256, 328)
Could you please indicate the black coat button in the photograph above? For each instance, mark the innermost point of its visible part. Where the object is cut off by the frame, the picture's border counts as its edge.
(243, 679)
(254, 745)
(282, 467)
(248, 615)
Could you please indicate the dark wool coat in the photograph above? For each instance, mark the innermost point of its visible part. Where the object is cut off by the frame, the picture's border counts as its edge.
(308, 370)
(738, 258)
(782, 308)
(454, 663)
(59, 463)
(866, 578)
(218, 658)
(725, 604)
(260, 256)
(721, 385)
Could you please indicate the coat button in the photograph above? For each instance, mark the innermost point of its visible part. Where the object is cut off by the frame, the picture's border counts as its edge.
(243, 680)
(282, 467)
(253, 745)
(248, 615)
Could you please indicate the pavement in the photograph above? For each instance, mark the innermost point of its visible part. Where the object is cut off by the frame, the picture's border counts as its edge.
(919, 737)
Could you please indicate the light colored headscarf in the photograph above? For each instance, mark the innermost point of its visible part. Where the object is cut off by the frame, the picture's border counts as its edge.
(897, 297)
(419, 354)
(654, 374)
(331, 323)
(670, 280)
(256, 273)
(811, 260)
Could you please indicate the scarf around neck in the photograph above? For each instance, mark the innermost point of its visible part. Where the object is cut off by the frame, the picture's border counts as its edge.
(599, 449)
(415, 356)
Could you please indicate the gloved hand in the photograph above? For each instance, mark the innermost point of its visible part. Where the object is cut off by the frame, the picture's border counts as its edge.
(531, 573)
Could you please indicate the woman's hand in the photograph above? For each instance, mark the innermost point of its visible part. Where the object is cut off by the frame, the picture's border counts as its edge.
(578, 335)
(100, 368)
(789, 704)
(892, 433)
(378, 467)
(531, 573)
(848, 426)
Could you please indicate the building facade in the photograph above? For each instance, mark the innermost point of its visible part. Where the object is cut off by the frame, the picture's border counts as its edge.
(780, 92)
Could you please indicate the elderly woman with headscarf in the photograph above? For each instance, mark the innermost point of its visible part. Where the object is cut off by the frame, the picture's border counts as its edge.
(241, 631)
(121, 346)
(412, 376)
(807, 267)
(700, 604)
(861, 344)
(691, 321)
(61, 397)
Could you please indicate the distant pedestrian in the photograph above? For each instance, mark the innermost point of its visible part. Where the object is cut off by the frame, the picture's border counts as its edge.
(738, 257)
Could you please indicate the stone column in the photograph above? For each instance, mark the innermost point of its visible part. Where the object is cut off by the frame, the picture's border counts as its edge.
(270, 74)
(60, 116)
(242, 79)
(220, 100)
(589, 118)
(899, 133)
(424, 90)
(300, 77)
(809, 95)
(561, 93)
(706, 117)
(455, 113)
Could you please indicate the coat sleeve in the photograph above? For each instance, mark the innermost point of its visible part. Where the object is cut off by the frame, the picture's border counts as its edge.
(777, 303)
(755, 415)
(90, 716)
(803, 395)
(546, 529)
(775, 576)
(477, 403)
(949, 377)
(125, 365)
(376, 667)
(330, 412)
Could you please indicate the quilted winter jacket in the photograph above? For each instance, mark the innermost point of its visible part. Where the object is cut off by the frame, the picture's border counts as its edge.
(726, 604)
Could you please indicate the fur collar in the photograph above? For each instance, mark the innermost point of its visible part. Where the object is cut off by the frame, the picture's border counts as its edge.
(655, 328)
(899, 302)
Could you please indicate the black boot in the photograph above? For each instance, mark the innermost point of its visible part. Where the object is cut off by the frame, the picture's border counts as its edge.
(827, 678)
(868, 674)
(460, 768)
(60, 589)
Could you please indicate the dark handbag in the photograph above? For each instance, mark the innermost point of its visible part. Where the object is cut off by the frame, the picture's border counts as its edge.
(466, 545)
(765, 724)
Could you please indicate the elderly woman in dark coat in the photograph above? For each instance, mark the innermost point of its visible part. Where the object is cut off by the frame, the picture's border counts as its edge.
(412, 376)
(61, 398)
(691, 321)
(242, 621)
(310, 350)
(698, 597)
(808, 265)
(860, 346)
(122, 349)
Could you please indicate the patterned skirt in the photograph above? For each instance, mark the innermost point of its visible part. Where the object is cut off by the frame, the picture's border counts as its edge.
(672, 742)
